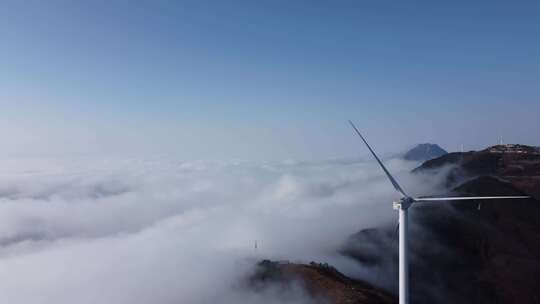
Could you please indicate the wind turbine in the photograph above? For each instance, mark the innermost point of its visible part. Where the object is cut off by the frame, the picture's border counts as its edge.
(402, 206)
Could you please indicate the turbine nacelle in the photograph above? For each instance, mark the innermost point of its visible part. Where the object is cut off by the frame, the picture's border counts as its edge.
(404, 203)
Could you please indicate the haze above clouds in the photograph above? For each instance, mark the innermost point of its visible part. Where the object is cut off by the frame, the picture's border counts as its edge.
(271, 80)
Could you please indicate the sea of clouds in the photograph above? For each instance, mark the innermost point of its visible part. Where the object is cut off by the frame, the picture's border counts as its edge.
(167, 231)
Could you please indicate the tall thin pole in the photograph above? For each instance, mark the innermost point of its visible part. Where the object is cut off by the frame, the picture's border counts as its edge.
(403, 257)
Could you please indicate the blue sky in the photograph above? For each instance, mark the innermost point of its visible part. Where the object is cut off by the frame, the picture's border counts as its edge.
(265, 79)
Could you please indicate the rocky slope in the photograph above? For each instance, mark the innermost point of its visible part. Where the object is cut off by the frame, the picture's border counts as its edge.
(322, 282)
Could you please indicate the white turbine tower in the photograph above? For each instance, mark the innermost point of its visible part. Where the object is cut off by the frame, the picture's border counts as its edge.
(403, 205)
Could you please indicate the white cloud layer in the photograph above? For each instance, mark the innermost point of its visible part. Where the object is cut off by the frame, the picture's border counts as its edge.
(164, 231)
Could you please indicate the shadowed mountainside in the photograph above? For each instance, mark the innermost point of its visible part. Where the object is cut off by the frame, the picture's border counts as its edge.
(469, 252)
(518, 164)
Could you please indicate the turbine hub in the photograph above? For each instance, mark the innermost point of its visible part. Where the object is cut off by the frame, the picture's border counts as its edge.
(404, 203)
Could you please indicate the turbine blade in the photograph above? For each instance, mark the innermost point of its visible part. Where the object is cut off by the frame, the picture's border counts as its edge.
(463, 198)
(390, 177)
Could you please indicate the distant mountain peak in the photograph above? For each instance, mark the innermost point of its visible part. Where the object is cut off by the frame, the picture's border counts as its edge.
(423, 152)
